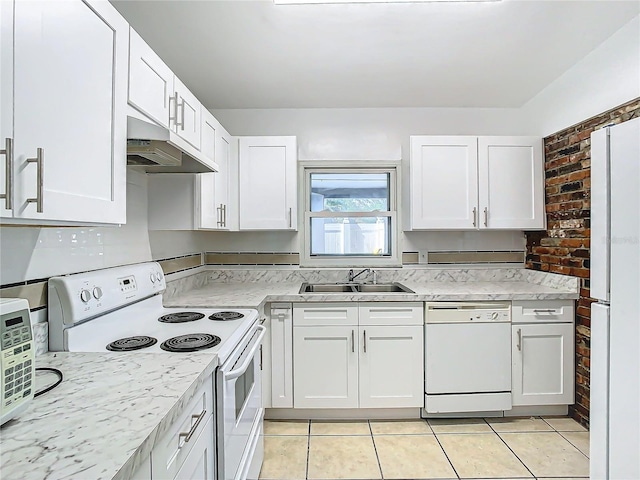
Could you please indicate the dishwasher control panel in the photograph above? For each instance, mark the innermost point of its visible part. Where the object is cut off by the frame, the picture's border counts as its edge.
(472, 312)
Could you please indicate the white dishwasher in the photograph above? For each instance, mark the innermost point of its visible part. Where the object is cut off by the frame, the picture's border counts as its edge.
(467, 357)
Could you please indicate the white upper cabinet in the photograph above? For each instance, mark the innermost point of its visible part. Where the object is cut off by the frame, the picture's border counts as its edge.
(67, 82)
(476, 183)
(444, 182)
(214, 187)
(267, 182)
(186, 114)
(150, 81)
(511, 182)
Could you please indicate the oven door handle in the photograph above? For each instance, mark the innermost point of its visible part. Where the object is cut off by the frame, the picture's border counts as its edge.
(236, 372)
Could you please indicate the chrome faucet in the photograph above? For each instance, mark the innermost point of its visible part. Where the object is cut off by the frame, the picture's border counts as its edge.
(352, 277)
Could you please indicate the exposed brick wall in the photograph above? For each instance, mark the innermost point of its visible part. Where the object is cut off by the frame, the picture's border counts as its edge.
(565, 246)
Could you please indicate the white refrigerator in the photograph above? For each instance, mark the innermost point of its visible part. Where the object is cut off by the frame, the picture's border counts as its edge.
(615, 318)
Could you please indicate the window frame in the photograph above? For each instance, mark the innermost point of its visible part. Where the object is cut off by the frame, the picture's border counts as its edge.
(392, 168)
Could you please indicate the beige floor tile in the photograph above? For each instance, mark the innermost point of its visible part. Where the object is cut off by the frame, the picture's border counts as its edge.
(564, 424)
(548, 454)
(580, 440)
(339, 428)
(515, 424)
(279, 427)
(412, 456)
(459, 425)
(285, 457)
(342, 457)
(419, 427)
(481, 456)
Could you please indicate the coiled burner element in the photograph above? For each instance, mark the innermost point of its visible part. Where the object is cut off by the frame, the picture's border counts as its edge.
(131, 343)
(223, 316)
(190, 343)
(181, 317)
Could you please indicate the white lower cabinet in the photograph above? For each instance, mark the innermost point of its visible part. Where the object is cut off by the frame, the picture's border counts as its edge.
(391, 366)
(186, 451)
(367, 355)
(325, 362)
(281, 356)
(543, 353)
(199, 463)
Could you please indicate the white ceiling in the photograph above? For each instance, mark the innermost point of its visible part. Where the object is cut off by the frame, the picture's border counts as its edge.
(254, 54)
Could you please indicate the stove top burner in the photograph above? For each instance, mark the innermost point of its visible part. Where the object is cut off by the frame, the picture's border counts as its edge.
(223, 316)
(181, 317)
(131, 343)
(190, 343)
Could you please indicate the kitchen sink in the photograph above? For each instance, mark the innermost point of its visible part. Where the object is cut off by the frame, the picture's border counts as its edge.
(384, 288)
(327, 288)
(354, 288)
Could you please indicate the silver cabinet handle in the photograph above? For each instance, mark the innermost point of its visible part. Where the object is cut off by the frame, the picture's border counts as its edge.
(181, 124)
(486, 216)
(353, 341)
(8, 179)
(219, 216)
(544, 310)
(39, 161)
(174, 99)
(519, 339)
(474, 216)
(289, 217)
(187, 436)
(364, 341)
(224, 215)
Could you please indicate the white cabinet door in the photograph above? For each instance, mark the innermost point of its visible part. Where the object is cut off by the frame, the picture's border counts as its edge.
(268, 191)
(543, 364)
(199, 465)
(69, 122)
(209, 133)
(150, 81)
(281, 357)
(222, 179)
(326, 367)
(391, 366)
(511, 182)
(187, 120)
(444, 185)
(6, 109)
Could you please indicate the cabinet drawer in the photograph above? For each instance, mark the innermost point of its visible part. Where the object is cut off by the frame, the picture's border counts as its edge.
(546, 311)
(325, 314)
(391, 313)
(172, 450)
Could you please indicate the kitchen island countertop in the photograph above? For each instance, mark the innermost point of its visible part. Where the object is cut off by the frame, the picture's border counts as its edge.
(257, 294)
(104, 419)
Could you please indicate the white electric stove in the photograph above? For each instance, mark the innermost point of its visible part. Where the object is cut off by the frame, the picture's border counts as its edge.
(120, 310)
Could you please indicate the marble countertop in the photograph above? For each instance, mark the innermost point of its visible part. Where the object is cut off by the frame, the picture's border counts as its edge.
(103, 420)
(257, 294)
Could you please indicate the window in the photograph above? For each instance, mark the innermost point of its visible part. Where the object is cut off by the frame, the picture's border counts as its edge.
(350, 216)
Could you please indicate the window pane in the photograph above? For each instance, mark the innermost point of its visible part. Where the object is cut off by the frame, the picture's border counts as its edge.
(349, 192)
(364, 236)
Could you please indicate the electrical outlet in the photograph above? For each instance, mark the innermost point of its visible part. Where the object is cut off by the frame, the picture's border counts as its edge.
(423, 256)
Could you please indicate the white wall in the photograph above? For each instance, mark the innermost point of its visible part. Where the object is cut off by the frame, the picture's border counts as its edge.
(34, 253)
(607, 77)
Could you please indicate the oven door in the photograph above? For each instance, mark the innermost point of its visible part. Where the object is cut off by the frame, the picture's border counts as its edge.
(240, 404)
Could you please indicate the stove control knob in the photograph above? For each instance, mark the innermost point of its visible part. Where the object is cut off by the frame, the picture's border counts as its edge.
(159, 276)
(494, 316)
(97, 293)
(85, 296)
(152, 277)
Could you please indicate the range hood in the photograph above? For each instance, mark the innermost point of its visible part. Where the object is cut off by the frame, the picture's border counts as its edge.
(157, 149)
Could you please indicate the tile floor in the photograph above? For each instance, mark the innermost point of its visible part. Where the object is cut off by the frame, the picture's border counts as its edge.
(504, 448)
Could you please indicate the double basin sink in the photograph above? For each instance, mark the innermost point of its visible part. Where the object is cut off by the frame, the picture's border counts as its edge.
(354, 288)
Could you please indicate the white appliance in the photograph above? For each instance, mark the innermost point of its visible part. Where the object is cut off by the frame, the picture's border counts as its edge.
(467, 357)
(615, 318)
(17, 362)
(120, 309)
